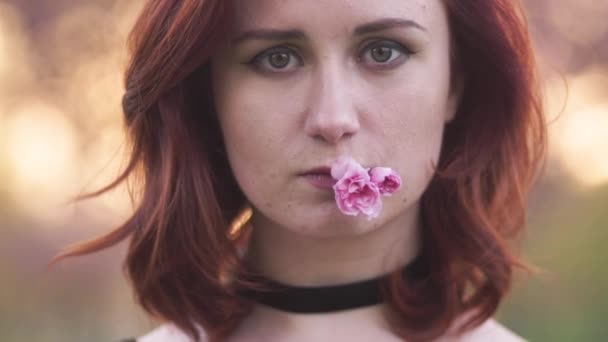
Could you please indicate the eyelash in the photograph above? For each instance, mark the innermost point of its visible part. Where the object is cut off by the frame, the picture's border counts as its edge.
(258, 59)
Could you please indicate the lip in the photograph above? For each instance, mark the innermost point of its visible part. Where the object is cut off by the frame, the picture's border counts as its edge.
(321, 170)
(319, 177)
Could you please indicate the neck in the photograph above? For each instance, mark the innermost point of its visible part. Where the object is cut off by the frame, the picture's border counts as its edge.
(299, 260)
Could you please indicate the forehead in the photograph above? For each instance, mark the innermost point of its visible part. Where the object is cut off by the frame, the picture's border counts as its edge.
(333, 15)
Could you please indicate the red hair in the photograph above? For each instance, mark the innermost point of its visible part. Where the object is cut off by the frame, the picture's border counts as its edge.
(476, 202)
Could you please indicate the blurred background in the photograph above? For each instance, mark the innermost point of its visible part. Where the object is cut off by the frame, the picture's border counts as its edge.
(61, 68)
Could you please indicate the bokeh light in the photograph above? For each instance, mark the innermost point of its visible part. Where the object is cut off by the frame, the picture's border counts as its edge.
(41, 150)
(583, 144)
(579, 133)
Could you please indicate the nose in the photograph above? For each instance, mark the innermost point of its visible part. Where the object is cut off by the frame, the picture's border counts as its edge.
(331, 113)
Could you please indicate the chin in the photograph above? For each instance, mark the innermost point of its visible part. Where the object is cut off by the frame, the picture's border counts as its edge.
(337, 225)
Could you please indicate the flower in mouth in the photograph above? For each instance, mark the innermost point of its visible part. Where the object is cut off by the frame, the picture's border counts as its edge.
(358, 190)
(388, 180)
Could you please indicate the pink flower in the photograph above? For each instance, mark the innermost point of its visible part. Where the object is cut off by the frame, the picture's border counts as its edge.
(355, 194)
(388, 181)
(358, 190)
(342, 165)
(354, 191)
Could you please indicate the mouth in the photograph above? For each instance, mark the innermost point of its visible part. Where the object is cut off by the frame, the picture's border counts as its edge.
(321, 170)
(319, 177)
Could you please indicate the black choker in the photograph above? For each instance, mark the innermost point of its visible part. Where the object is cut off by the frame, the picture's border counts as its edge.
(304, 299)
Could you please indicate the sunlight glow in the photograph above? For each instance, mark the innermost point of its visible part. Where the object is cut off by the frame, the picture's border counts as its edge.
(583, 145)
(41, 154)
(579, 135)
(51, 152)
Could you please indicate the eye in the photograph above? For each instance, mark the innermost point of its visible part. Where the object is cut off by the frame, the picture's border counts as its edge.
(277, 59)
(384, 53)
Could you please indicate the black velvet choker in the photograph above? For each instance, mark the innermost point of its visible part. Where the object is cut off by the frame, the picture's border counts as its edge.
(317, 299)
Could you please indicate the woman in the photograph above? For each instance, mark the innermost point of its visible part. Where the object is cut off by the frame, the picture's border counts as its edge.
(234, 106)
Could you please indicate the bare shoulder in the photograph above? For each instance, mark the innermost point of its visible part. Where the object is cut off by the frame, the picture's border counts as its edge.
(168, 332)
(491, 330)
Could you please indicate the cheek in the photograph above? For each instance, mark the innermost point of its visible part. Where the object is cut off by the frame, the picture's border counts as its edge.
(259, 118)
(254, 133)
(240, 110)
(411, 126)
(410, 119)
(249, 145)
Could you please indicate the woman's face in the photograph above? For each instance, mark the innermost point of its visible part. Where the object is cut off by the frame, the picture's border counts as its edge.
(300, 83)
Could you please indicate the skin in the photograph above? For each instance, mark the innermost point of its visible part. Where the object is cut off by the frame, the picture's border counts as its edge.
(319, 96)
(333, 98)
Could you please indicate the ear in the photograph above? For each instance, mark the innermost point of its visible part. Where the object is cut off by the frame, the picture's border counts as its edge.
(456, 91)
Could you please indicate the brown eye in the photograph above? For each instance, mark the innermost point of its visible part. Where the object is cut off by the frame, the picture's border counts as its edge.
(384, 53)
(279, 60)
(381, 54)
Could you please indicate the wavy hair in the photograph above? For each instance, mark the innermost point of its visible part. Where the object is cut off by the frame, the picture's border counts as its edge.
(180, 246)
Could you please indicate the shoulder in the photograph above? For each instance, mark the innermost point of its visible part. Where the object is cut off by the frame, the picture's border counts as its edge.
(491, 330)
(168, 332)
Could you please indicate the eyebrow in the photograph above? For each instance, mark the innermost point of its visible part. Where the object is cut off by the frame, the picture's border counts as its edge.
(294, 34)
(385, 24)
